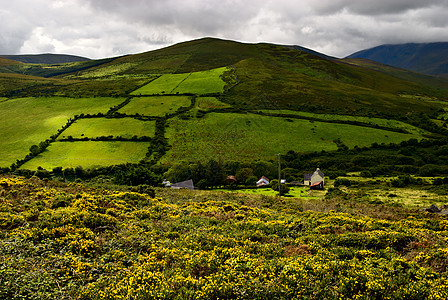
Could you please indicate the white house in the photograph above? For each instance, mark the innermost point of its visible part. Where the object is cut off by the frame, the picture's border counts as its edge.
(262, 181)
(316, 177)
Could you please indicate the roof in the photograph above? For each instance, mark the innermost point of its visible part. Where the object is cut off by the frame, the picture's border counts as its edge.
(307, 177)
(262, 181)
(316, 183)
(187, 184)
(318, 171)
(231, 178)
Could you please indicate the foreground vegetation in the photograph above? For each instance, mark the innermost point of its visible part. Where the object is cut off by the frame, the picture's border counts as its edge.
(64, 241)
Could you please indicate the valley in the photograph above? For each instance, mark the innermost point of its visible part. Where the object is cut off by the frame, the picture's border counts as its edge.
(86, 145)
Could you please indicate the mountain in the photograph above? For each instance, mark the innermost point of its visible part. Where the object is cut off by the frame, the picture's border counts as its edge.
(209, 98)
(426, 58)
(45, 58)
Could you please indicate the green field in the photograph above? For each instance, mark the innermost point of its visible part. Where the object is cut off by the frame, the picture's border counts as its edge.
(368, 120)
(295, 191)
(157, 106)
(124, 127)
(204, 82)
(29, 121)
(247, 136)
(208, 103)
(88, 154)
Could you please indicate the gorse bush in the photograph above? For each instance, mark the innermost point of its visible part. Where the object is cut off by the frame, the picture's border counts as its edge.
(60, 241)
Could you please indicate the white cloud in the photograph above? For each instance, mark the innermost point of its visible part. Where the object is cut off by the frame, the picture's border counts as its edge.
(103, 28)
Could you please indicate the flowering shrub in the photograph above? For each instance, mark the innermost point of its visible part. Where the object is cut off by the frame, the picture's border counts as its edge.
(101, 244)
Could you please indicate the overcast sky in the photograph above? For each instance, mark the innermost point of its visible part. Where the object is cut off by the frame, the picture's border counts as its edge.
(105, 28)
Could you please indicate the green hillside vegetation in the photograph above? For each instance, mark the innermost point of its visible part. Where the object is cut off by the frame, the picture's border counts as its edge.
(376, 122)
(102, 127)
(69, 241)
(235, 101)
(210, 103)
(155, 106)
(205, 82)
(252, 137)
(88, 154)
(47, 58)
(28, 121)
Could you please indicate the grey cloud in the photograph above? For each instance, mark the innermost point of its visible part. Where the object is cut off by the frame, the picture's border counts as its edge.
(373, 8)
(100, 28)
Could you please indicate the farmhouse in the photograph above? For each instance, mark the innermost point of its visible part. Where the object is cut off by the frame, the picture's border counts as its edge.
(262, 181)
(314, 180)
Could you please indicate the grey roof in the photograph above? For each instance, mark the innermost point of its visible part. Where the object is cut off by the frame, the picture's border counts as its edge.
(307, 177)
(318, 171)
(187, 184)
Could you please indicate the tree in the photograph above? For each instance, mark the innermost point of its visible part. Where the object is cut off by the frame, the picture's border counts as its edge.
(215, 173)
(178, 172)
(284, 189)
(251, 181)
(34, 150)
(243, 174)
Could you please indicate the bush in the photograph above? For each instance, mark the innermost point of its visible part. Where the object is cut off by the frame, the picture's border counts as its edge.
(342, 181)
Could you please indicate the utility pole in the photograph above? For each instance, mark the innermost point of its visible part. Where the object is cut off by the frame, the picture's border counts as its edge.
(279, 176)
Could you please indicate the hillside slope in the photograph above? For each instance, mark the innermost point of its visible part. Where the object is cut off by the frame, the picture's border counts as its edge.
(198, 99)
(273, 76)
(47, 58)
(427, 58)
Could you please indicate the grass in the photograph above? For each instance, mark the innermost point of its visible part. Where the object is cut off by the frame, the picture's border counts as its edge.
(208, 103)
(203, 82)
(88, 154)
(29, 121)
(157, 106)
(233, 136)
(377, 190)
(124, 127)
(297, 192)
(368, 120)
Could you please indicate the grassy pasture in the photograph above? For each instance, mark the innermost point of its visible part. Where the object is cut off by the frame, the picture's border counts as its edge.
(165, 84)
(208, 103)
(124, 127)
(88, 154)
(373, 121)
(378, 191)
(247, 136)
(295, 191)
(204, 82)
(28, 121)
(196, 83)
(157, 106)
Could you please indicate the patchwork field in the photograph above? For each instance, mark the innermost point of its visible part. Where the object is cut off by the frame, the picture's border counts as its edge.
(372, 121)
(28, 121)
(249, 136)
(157, 106)
(88, 154)
(124, 127)
(204, 82)
(208, 103)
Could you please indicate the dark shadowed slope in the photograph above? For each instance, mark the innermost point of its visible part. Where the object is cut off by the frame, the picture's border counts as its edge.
(430, 58)
(45, 58)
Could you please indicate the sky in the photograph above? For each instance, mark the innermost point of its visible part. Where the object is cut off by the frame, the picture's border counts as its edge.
(106, 28)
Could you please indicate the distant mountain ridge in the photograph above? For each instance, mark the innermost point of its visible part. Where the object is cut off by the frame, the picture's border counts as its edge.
(47, 58)
(426, 58)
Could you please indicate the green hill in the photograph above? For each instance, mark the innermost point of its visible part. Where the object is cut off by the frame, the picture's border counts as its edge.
(262, 99)
(47, 58)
